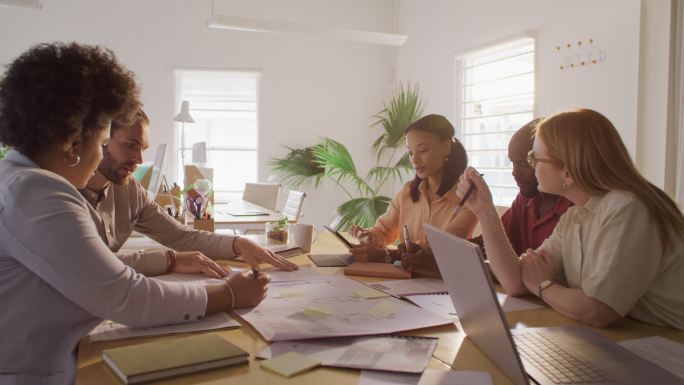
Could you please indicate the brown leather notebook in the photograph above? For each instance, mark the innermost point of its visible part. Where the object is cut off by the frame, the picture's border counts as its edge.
(373, 269)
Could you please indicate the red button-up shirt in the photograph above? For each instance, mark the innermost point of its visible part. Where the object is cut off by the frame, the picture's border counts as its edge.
(524, 229)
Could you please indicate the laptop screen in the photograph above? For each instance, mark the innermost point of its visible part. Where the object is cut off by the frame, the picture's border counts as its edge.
(471, 291)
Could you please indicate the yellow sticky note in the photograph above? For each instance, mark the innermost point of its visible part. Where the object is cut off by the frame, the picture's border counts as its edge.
(370, 294)
(315, 312)
(383, 309)
(291, 293)
(290, 364)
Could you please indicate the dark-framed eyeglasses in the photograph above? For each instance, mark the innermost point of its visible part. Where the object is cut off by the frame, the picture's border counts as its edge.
(532, 160)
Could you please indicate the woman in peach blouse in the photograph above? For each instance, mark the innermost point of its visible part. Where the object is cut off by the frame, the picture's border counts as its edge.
(438, 159)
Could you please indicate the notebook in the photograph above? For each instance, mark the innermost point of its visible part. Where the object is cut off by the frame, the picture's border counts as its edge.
(548, 355)
(375, 269)
(161, 359)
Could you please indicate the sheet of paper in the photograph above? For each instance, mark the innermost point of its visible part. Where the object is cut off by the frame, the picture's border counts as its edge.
(109, 330)
(278, 318)
(661, 351)
(440, 304)
(303, 274)
(415, 286)
(291, 293)
(454, 377)
(370, 377)
(390, 353)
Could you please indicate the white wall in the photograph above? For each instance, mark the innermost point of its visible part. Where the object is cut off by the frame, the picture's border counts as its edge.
(440, 29)
(310, 88)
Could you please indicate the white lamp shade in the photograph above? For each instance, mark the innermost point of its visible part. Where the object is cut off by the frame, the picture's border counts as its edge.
(184, 114)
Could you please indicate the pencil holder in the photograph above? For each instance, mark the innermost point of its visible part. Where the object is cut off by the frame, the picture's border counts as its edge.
(204, 224)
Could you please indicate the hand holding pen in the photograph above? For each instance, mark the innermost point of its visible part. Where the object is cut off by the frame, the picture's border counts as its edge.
(405, 235)
(473, 191)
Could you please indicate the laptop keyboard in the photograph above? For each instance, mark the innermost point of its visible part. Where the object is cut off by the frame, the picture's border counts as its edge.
(551, 359)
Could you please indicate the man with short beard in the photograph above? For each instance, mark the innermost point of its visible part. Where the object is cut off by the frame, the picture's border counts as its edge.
(119, 204)
(533, 215)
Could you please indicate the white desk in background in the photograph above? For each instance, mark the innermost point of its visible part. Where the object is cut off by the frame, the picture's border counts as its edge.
(231, 216)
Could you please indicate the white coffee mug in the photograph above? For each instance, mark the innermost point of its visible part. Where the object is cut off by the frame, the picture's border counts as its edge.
(304, 236)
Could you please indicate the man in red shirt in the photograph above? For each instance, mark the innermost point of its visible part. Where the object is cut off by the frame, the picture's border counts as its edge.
(533, 215)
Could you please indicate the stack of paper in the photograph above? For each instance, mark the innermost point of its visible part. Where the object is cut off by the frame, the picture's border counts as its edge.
(391, 353)
(326, 306)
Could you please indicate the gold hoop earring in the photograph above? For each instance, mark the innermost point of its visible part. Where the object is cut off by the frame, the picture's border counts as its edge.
(74, 164)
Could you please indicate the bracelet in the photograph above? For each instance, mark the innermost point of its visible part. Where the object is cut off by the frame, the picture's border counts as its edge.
(232, 296)
(235, 251)
(172, 256)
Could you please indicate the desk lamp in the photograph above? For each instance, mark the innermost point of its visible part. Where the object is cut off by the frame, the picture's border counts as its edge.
(184, 117)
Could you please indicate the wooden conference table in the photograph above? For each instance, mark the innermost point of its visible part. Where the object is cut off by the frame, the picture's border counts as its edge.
(454, 350)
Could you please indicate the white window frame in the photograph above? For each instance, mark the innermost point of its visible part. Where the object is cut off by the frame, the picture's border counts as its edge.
(460, 102)
(222, 195)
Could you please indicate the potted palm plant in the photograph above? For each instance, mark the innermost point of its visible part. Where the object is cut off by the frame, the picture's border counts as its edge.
(3, 151)
(330, 160)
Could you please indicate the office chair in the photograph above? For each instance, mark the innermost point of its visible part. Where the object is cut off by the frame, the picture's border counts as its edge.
(294, 205)
(262, 194)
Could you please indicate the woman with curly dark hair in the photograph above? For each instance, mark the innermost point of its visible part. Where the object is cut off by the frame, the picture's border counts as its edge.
(58, 279)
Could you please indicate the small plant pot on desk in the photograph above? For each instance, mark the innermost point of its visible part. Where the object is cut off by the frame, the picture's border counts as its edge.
(277, 232)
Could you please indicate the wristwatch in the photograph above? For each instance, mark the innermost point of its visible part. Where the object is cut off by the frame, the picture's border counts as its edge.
(542, 286)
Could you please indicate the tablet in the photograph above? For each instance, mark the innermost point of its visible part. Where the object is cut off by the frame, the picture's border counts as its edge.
(339, 236)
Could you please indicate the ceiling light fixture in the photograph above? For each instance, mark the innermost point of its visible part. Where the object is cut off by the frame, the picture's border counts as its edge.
(37, 4)
(301, 29)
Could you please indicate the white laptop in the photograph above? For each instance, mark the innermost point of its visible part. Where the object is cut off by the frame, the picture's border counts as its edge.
(549, 355)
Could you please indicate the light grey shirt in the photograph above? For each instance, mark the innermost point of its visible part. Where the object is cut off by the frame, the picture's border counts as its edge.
(611, 249)
(58, 279)
(124, 208)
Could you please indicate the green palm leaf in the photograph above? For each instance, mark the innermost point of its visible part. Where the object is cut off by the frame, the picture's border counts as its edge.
(403, 110)
(334, 157)
(298, 168)
(361, 211)
(331, 160)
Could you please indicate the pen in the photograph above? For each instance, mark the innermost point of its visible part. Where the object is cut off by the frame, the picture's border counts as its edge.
(255, 273)
(466, 196)
(405, 234)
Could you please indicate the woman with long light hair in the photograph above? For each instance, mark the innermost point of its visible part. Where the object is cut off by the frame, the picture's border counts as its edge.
(619, 252)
